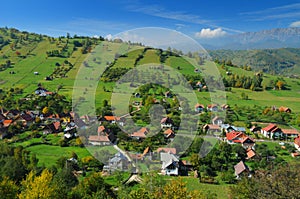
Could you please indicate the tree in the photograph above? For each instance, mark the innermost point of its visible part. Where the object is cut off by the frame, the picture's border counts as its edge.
(38, 186)
(280, 84)
(281, 182)
(8, 188)
(45, 110)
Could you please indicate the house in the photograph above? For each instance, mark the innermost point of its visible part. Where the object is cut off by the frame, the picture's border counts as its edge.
(255, 129)
(290, 133)
(170, 164)
(271, 131)
(284, 109)
(70, 130)
(166, 122)
(235, 137)
(211, 128)
(199, 108)
(167, 150)
(297, 143)
(169, 134)
(228, 128)
(140, 134)
(118, 162)
(54, 127)
(217, 120)
(102, 139)
(241, 169)
(212, 107)
(113, 120)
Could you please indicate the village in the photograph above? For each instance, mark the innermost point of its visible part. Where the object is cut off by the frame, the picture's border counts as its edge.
(158, 157)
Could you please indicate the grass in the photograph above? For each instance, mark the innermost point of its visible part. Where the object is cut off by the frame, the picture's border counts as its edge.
(48, 154)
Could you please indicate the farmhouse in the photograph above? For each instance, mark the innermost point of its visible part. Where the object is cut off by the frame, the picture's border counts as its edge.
(99, 139)
(211, 128)
(140, 134)
(290, 133)
(170, 164)
(271, 131)
(235, 137)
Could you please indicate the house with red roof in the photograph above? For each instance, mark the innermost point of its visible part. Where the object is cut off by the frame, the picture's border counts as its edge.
(140, 134)
(297, 143)
(284, 109)
(271, 131)
(211, 128)
(54, 127)
(235, 137)
(290, 133)
(166, 150)
(199, 108)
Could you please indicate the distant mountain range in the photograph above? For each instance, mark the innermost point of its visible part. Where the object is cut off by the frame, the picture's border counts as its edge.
(266, 39)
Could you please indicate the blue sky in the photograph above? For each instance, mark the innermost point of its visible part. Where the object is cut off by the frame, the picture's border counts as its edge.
(197, 18)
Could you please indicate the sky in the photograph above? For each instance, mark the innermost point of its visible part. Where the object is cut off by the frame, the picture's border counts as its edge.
(199, 19)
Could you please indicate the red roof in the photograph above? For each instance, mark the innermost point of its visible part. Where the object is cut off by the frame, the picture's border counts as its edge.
(6, 123)
(290, 131)
(141, 133)
(199, 105)
(168, 132)
(212, 105)
(270, 127)
(167, 150)
(232, 135)
(56, 125)
(101, 129)
(212, 126)
(250, 154)
(99, 138)
(237, 137)
(111, 118)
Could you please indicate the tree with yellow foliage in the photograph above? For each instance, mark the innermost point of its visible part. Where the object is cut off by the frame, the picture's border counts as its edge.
(38, 187)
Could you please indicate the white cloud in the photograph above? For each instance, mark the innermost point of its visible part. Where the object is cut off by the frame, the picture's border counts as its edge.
(210, 33)
(295, 24)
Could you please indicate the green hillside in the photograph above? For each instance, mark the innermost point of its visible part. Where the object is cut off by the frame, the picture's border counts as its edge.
(59, 59)
(274, 61)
